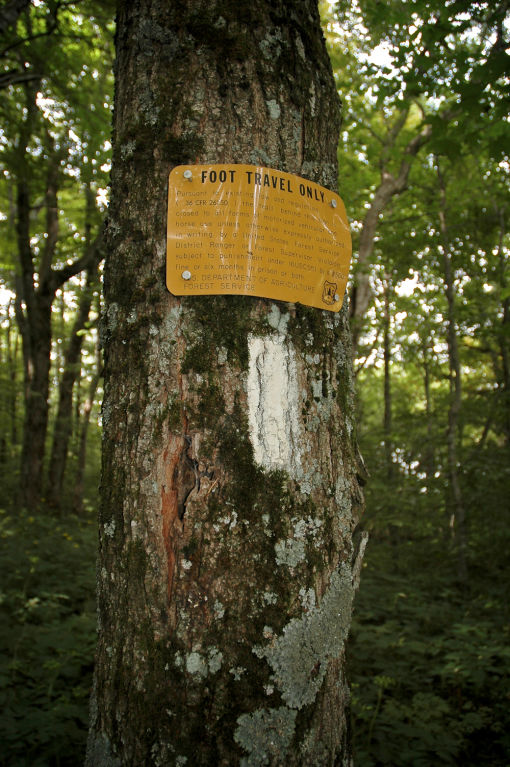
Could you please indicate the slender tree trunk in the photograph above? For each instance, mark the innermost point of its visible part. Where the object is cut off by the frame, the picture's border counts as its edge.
(36, 403)
(36, 335)
(83, 429)
(33, 311)
(387, 420)
(388, 415)
(504, 333)
(33, 314)
(11, 394)
(458, 515)
(229, 491)
(428, 453)
(71, 371)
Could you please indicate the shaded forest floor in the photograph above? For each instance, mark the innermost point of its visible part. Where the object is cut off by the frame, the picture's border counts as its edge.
(47, 637)
(429, 661)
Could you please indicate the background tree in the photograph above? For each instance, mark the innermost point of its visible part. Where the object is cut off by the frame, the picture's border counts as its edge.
(55, 101)
(72, 367)
(227, 569)
(54, 76)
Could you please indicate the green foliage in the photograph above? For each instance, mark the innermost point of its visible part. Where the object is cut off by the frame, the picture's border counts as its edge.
(429, 663)
(429, 654)
(47, 637)
(454, 53)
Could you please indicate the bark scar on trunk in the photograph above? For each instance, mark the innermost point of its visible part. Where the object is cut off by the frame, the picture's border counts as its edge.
(186, 477)
(177, 484)
(181, 477)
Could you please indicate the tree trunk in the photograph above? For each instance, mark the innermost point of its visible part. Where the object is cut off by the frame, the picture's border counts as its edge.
(428, 459)
(11, 389)
(35, 295)
(504, 329)
(388, 407)
(33, 315)
(229, 489)
(36, 335)
(458, 512)
(71, 371)
(83, 427)
(33, 309)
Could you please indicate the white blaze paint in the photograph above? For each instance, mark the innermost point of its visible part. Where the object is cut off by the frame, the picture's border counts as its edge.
(273, 404)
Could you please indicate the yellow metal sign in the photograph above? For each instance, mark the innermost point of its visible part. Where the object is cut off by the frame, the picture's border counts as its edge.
(243, 229)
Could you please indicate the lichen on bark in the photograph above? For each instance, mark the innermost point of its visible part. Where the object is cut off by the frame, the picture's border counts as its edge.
(265, 735)
(299, 656)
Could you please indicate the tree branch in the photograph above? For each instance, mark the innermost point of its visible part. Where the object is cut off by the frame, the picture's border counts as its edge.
(93, 255)
(390, 185)
(14, 77)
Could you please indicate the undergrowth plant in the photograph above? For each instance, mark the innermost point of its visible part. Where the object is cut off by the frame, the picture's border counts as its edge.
(429, 657)
(47, 637)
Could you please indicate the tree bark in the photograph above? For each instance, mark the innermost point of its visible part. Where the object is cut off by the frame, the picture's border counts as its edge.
(227, 567)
